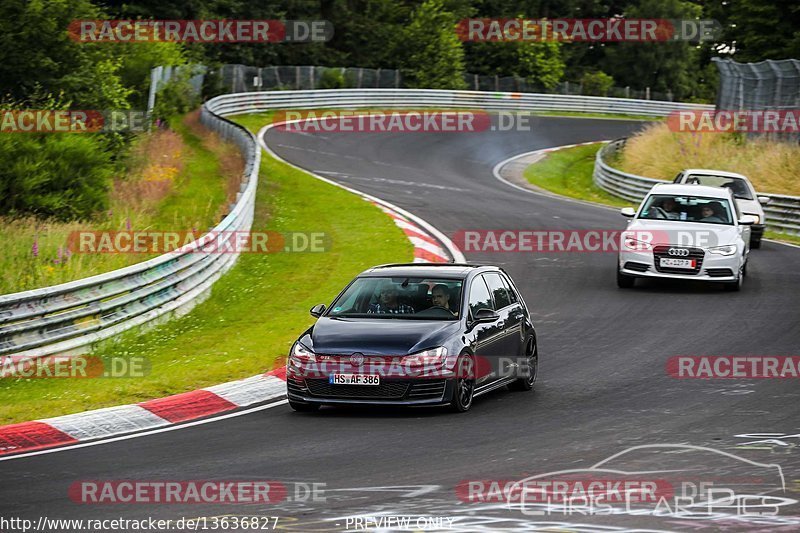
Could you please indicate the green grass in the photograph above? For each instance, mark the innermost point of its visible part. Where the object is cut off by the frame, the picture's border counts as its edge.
(197, 194)
(568, 172)
(783, 237)
(255, 311)
(200, 191)
(613, 116)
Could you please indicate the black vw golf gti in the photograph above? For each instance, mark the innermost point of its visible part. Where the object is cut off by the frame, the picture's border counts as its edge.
(415, 334)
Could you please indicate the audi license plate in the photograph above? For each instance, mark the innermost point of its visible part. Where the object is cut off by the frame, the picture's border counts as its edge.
(354, 379)
(677, 263)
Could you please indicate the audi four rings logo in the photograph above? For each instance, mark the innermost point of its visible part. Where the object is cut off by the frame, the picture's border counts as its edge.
(678, 251)
(357, 359)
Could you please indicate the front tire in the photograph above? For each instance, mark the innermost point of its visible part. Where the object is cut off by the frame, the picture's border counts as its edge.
(624, 281)
(735, 286)
(464, 384)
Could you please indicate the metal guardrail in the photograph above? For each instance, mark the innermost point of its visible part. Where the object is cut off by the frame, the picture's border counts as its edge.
(74, 316)
(782, 213)
(71, 317)
(359, 98)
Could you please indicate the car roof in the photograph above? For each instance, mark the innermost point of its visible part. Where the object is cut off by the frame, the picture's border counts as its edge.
(454, 270)
(712, 172)
(691, 189)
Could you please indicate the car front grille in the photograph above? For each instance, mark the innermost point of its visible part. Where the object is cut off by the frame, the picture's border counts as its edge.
(388, 390)
(427, 389)
(694, 253)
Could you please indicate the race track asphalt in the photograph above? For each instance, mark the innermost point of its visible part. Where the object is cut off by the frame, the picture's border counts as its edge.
(602, 389)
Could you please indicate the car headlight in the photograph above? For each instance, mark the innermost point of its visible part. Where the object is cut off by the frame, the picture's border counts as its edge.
(300, 354)
(758, 218)
(635, 244)
(434, 357)
(729, 249)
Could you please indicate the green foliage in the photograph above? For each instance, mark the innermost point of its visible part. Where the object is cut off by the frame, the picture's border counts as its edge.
(332, 78)
(61, 176)
(755, 30)
(432, 56)
(537, 62)
(176, 97)
(662, 66)
(596, 83)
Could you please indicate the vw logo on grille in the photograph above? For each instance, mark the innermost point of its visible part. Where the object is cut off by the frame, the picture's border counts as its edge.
(357, 359)
(678, 251)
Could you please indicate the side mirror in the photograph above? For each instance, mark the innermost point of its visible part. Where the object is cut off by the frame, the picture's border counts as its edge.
(764, 200)
(483, 316)
(317, 310)
(628, 212)
(747, 220)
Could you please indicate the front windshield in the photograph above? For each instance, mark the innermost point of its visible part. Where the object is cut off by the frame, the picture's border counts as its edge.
(737, 185)
(399, 297)
(687, 209)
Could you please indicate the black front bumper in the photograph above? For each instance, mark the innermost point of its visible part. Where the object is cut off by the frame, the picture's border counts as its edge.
(389, 392)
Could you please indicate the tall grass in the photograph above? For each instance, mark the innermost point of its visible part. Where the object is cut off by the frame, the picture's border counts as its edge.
(659, 153)
(177, 180)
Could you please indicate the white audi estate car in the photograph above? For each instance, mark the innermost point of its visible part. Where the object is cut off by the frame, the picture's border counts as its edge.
(685, 231)
(748, 201)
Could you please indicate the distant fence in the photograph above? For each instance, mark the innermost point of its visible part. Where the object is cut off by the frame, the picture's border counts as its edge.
(782, 213)
(765, 86)
(243, 78)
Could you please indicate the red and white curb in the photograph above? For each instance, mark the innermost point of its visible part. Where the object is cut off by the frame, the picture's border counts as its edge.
(124, 419)
(430, 246)
(426, 248)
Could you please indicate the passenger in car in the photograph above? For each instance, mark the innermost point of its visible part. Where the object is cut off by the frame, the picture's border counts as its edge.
(711, 212)
(388, 303)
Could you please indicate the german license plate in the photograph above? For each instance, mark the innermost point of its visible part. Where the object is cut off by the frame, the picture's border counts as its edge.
(354, 379)
(677, 263)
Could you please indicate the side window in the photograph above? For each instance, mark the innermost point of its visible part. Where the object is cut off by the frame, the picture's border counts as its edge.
(512, 295)
(498, 290)
(678, 178)
(479, 297)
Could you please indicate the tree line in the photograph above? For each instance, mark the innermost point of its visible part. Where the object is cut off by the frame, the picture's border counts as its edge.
(66, 176)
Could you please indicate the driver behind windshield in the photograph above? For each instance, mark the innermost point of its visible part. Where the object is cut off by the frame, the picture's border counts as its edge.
(668, 209)
(440, 297)
(387, 302)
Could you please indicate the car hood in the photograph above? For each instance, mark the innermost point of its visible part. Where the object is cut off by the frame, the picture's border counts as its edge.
(378, 336)
(750, 207)
(686, 233)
